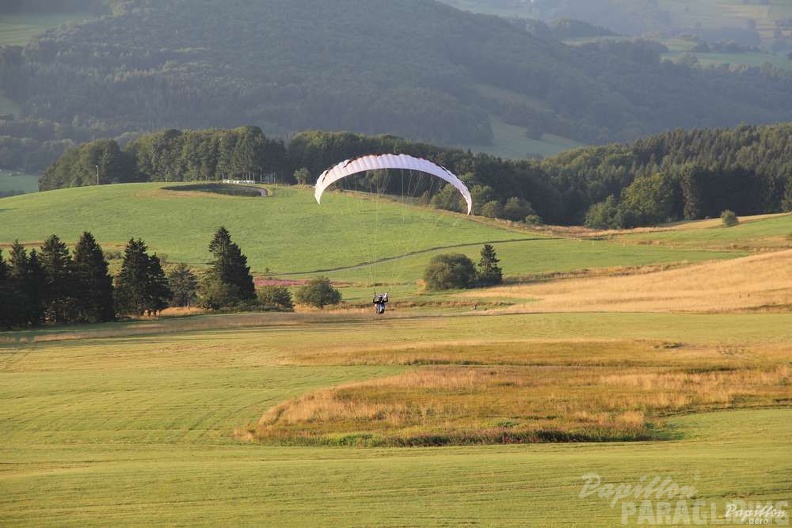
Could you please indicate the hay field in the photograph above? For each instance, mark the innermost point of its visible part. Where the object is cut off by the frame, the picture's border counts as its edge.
(757, 282)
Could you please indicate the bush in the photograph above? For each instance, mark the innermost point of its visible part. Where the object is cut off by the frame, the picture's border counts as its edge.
(278, 297)
(492, 209)
(319, 293)
(604, 215)
(214, 294)
(303, 176)
(516, 209)
(450, 271)
(729, 219)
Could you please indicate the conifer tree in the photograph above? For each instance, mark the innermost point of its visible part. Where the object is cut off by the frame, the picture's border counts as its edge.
(141, 285)
(17, 268)
(27, 278)
(17, 260)
(34, 286)
(158, 291)
(93, 285)
(56, 264)
(229, 268)
(489, 273)
(10, 297)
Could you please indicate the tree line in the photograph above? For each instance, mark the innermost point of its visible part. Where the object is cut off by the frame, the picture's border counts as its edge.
(53, 285)
(671, 176)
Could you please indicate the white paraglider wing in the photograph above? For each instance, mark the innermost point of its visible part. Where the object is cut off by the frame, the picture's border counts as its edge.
(389, 161)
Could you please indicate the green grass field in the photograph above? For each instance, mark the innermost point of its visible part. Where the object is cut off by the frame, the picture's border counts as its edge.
(762, 233)
(133, 424)
(290, 235)
(158, 421)
(123, 485)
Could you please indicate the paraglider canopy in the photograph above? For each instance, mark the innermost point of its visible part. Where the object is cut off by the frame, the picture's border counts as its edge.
(389, 161)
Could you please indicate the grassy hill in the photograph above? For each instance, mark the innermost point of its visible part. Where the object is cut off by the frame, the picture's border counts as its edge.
(348, 237)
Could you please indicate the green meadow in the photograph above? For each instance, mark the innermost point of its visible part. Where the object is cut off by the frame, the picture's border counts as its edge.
(760, 233)
(287, 234)
(136, 424)
(169, 421)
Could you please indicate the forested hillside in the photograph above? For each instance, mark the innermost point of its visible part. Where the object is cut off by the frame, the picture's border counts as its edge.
(672, 176)
(415, 68)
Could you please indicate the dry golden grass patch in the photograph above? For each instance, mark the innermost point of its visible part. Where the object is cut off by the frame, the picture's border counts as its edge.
(540, 392)
(458, 404)
(757, 282)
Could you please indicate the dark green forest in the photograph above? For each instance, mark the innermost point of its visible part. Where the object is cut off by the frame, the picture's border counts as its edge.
(414, 68)
(671, 176)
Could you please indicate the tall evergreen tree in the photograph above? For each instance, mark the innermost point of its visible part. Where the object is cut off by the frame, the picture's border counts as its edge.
(56, 264)
(229, 266)
(158, 291)
(93, 285)
(17, 273)
(27, 277)
(141, 285)
(17, 260)
(35, 287)
(10, 297)
(489, 273)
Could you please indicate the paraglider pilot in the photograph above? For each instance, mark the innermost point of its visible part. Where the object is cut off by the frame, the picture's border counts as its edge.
(380, 299)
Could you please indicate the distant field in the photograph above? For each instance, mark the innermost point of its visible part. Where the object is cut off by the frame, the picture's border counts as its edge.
(737, 59)
(7, 106)
(18, 29)
(684, 14)
(15, 181)
(488, 7)
(511, 142)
